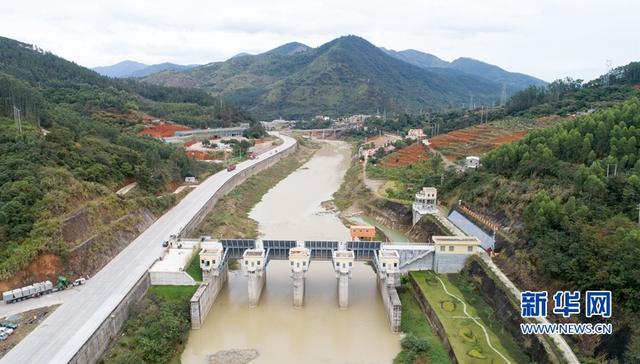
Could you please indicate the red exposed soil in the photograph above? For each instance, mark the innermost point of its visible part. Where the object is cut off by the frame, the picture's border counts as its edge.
(508, 138)
(461, 136)
(173, 185)
(414, 153)
(190, 143)
(163, 130)
(199, 155)
(45, 267)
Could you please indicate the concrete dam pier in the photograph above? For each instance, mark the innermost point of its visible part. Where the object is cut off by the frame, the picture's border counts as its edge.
(299, 261)
(389, 261)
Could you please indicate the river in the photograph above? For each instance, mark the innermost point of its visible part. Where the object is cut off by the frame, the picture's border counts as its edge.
(319, 332)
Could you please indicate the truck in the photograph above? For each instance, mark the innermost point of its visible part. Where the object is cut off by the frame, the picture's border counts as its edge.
(231, 167)
(26, 292)
(63, 283)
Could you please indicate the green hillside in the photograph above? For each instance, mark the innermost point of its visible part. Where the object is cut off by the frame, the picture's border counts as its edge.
(566, 196)
(569, 196)
(346, 75)
(77, 143)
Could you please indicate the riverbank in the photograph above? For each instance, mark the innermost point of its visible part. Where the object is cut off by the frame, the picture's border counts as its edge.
(230, 218)
(158, 328)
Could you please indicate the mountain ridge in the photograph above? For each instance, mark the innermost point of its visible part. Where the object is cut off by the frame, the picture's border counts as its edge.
(514, 81)
(133, 69)
(345, 75)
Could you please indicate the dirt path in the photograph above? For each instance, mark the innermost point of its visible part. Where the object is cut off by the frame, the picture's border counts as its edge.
(373, 185)
(27, 321)
(447, 162)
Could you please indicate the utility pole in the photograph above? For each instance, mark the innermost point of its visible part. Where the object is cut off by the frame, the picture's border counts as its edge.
(638, 213)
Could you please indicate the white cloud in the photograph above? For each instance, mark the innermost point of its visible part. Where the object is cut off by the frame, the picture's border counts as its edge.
(545, 38)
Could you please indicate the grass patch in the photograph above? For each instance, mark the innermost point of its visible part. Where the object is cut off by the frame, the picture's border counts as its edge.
(230, 217)
(414, 323)
(352, 188)
(194, 269)
(466, 337)
(233, 264)
(158, 328)
(173, 293)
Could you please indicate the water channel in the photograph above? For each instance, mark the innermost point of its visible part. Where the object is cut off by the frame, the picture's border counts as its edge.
(471, 229)
(319, 332)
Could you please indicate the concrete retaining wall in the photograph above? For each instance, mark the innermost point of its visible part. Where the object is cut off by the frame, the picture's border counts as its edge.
(432, 318)
(109, 331)
(392, 304)
(205, 296)
(171, 279)
(507, 312)
(449, 263)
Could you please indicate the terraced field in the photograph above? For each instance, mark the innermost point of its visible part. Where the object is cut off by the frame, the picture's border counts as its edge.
(414, 153)
(479, 139)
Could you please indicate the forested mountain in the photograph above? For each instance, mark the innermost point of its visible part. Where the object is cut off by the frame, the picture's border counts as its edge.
(346, 75)
(569, 95)
(513, 81)
(76, 143)
(569, 195)
(134, 69)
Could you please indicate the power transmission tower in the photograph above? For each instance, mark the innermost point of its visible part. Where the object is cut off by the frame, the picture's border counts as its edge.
(16, 117)
(608, 63)
(503, 96)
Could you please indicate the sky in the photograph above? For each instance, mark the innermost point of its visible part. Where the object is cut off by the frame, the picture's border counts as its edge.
(544, 38)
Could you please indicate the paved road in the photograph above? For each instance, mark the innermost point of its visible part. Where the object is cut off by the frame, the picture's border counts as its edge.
(52, 299)
(64, 332)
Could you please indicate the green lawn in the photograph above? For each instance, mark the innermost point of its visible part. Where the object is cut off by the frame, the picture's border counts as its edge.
(173, 293)
(194, 268)
(467, 338)
(414, 322)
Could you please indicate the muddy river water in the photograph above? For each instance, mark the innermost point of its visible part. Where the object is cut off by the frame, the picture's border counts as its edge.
(319, 332)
